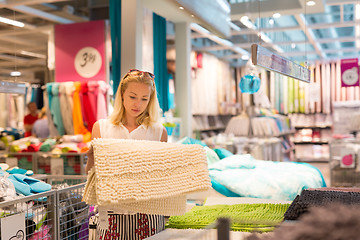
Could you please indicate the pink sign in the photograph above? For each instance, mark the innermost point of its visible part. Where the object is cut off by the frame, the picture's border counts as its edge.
(349, 72)
(80, 52)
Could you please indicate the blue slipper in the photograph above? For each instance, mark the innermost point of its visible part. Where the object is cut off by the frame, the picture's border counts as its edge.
(29, 185)
(16, 170)
(20, 187)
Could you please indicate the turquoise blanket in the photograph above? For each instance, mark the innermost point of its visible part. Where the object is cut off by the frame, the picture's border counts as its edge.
(248, 177)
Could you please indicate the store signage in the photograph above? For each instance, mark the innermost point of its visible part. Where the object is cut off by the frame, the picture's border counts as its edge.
(12, 87)
(13, 227)
(263, 57)
(80, 52)
(349, 72)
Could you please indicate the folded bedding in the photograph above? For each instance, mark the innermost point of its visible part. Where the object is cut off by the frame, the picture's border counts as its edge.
(248, 177)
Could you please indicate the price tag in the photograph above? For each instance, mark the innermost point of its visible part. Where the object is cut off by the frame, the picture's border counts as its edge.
(88, 62)
(347, 158)
(57, 166)
(13, 227)
(103, 218)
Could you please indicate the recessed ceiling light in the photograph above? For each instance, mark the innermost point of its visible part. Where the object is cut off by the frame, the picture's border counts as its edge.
(244, 18)
(182, 8)
(12, 22)
(293, 45)
(15, 74)
(310, 3)
(276, 15)
(271, 21)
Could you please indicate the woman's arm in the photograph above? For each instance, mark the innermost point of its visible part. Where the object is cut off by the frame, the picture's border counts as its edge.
(164, 136)
(90, 154)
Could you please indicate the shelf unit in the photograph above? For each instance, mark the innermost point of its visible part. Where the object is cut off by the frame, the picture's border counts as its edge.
(214, 124)
(312, 146)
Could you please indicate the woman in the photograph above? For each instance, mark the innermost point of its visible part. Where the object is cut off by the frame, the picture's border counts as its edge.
(135, 116)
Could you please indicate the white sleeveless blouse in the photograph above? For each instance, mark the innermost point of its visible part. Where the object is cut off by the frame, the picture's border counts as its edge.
(109, 130)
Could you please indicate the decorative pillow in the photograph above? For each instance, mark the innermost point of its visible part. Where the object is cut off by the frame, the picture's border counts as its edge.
(211, 156)
(188, 140)
(223, 153)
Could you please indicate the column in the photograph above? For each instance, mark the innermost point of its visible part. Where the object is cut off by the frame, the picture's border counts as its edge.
(183, 77)
(131, 35)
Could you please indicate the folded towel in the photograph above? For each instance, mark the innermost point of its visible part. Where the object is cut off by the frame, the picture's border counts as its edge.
(28, 186)
(145, 176)
(34, 147)
(47, 145)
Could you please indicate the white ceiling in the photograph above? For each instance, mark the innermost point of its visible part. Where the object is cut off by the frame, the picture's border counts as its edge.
(325, 31)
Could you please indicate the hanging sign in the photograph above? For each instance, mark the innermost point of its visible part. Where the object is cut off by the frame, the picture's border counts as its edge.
(263, 57)
(13, 227)
(349, 72)
(80, 52)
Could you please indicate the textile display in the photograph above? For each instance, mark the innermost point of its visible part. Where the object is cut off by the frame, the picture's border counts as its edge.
(261, 217)
(320, 197)
(145, 176)
(211, 84)
(66, 106)
(314, 97)
(55, 108)
(71, 104)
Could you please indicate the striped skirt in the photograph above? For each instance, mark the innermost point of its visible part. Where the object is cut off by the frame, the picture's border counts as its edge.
(131, 226)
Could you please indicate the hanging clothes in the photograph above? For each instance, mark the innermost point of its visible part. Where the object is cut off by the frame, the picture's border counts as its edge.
(93, 90)
(38, 96)
(66, 107)
(52, 129)
(55, 109)
(90, 116)
(101, 100)
(79, 127)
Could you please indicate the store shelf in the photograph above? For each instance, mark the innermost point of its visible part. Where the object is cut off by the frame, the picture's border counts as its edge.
(313, 127)
(211, 129)
(315, 143)
(276, 135)
(319, 160)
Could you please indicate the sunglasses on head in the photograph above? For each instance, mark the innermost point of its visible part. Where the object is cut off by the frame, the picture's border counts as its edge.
(142, 72)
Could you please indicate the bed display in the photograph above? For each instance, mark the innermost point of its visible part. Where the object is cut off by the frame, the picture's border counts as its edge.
(244, 176)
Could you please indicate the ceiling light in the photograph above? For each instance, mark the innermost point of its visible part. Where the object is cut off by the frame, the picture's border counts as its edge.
(310, 3)
(271, 21)
(182, 8)
(293, 45)
(31, 54)
(245, 57)
(12, 22)
(15, 74)
(192, 15)
(244, 18)
(276, 15)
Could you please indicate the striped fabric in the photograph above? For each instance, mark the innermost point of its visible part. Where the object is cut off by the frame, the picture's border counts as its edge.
(131, 226)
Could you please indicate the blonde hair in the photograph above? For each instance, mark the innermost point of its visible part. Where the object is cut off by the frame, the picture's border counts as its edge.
(150, 114)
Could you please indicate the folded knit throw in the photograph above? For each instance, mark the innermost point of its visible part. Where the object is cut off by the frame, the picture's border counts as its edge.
(260, 217)
(145, 176)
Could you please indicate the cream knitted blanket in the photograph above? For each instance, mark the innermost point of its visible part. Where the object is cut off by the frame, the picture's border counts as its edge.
(145, 176)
